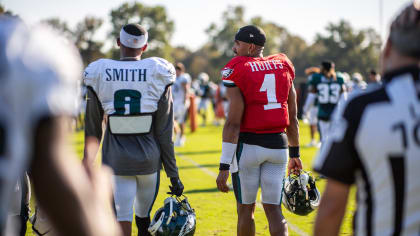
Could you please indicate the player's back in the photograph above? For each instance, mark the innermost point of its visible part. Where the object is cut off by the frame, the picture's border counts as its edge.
(129, 93)
(129, 87)
(328, 92)
(389, 147)
(265, 83)
(39, 80)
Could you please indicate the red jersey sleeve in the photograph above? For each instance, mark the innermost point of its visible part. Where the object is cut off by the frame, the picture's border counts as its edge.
(289, 64)
(231, 72)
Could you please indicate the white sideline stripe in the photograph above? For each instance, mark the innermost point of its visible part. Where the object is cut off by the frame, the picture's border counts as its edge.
(204, 169)
(211, 173)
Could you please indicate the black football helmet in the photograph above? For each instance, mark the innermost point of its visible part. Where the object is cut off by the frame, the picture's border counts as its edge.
(175, 218)
(300, 195)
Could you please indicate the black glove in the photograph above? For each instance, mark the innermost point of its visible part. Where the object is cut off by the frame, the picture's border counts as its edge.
(177, 187)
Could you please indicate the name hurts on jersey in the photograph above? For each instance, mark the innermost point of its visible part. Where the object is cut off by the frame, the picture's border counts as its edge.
(266, 65)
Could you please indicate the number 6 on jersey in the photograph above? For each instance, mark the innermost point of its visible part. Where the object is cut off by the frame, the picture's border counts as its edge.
(269, 85)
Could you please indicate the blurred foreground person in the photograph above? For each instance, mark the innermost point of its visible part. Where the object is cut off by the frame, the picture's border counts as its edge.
(261, 130)
(39, 73)
(375, 144)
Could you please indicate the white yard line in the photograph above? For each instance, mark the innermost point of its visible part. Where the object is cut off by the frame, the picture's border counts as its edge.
(213, 174)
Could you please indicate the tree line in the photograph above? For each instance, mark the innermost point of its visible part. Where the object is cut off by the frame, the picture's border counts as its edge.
(351, 49)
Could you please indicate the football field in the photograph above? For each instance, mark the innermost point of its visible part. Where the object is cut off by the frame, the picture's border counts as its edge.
(216, 212)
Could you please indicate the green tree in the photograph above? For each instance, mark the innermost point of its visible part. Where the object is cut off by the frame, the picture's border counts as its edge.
(83, 36)
(153, 18)
(3, 11)
(351, 50)
(219, 46)
(85, 31)
(221, 39)
(60, 26)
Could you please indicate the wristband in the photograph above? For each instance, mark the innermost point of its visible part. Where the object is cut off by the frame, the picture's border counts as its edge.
(224, 166)
(228, 152)
(294, 152)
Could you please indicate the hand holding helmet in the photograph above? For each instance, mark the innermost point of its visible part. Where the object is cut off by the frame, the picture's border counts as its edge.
(177, 187)
(300, 195)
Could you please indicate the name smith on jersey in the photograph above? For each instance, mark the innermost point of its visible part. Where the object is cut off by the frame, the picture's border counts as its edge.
(113, 74)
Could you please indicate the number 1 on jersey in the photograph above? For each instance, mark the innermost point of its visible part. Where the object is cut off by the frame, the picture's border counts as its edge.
(269, 85)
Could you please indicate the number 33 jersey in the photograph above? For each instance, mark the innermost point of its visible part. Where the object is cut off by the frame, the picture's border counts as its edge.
(265, 83)
(328, 94)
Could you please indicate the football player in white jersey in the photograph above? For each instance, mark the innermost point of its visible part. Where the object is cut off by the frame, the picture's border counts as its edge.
(134, 96)
(38, 73)
(375, 144)
(181, 90)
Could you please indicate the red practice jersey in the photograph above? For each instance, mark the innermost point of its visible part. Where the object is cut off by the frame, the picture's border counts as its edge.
(265, 83)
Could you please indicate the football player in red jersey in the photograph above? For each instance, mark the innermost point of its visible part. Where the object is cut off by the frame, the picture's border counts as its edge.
(260, 131)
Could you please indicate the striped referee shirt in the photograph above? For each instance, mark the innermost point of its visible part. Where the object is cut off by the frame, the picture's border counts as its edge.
(375, 144)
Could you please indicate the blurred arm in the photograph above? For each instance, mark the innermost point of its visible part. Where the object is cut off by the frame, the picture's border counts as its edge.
(75, 204)
(332, 208)
(186, 88)
(309, 102)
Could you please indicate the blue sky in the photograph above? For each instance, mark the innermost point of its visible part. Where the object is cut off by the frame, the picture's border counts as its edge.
(302, 17)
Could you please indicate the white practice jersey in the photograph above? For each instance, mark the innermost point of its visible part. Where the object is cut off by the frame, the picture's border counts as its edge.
(178, 92)
(129, 87)
(38, 73)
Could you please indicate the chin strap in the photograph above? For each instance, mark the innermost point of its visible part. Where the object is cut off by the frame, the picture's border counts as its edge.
(171, 209)
(154, 228)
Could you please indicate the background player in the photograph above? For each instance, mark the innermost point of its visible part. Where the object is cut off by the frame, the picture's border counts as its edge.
(134, 96)
(261, 118)
(181, 90)
(206, 94)
(311, 110)
(37, 96)
(326, 87)
(376, 144)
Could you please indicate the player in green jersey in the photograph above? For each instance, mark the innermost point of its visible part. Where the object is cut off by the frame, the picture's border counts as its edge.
(326, 87)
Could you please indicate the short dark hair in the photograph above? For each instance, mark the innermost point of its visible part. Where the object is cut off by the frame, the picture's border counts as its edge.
(373, 72)
(405, 31)
(134, 29)
(180, 66)
(327, 65)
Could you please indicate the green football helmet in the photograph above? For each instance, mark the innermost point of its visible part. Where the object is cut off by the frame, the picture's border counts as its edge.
(175, 218)
(300, 195)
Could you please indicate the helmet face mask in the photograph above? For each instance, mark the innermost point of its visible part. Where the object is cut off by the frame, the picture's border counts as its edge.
(176, 217)
(300, 195)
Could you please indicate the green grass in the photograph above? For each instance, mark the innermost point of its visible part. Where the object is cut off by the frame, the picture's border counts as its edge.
(216, 211)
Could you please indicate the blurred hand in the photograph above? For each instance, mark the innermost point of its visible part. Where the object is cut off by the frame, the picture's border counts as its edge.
(102, 206)
(294, 166)
(222, 180)
(177, 187)
(305, 118)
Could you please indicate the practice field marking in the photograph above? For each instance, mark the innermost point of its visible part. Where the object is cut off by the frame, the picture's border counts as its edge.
(213, 174)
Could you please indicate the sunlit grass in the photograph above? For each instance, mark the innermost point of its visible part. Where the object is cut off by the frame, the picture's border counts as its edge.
(216, 211)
